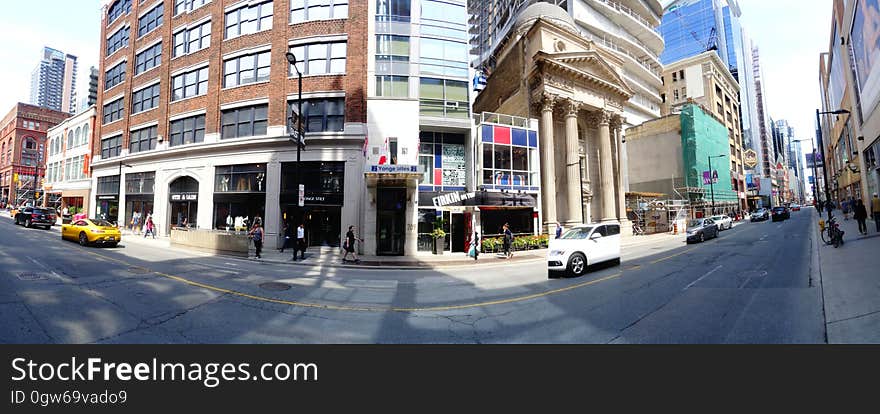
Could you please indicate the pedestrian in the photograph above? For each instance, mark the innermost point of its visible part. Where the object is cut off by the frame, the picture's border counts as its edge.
(875, 211)
(300, 242)
(348, 244)
(860, 214)
(288, 234)
(558, 230)
(507, 241)
(475, 245)
(149, 227)
(844, 208)
(256, 234)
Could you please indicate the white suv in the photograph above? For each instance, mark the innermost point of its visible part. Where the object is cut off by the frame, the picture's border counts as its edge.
(583, 246)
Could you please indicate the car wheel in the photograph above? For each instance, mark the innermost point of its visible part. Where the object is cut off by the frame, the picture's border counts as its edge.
(27, 223)
(83, 239)
(702, 237)
(577, 264)
(112, 245)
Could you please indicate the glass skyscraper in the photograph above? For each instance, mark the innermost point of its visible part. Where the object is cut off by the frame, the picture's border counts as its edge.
(691, 27)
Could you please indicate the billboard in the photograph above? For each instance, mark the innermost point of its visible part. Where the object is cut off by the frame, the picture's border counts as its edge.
(714, 177)
(866, 52)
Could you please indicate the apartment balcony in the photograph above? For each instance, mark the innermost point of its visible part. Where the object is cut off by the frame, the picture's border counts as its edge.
(633, 22)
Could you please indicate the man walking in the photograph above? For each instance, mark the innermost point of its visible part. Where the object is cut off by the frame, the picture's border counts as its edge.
(875, 211)
(300, 242)
(558, 230)
(860, 214)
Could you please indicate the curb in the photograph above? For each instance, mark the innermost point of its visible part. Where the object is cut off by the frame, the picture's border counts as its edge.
(388, 267)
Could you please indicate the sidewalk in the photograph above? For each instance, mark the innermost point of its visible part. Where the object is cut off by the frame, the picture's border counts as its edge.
(851, 283)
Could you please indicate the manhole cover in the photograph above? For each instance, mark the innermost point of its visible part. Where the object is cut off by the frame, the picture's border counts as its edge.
(275, 286)
(30, 276)
(138, 270)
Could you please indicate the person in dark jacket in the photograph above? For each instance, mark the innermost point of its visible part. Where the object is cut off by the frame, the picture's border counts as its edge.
(288, 234)
(860, 214)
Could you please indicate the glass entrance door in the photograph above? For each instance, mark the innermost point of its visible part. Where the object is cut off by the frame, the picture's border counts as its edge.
(183, 213)
(390, 221)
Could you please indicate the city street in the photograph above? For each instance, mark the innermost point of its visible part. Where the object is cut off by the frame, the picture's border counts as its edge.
(756, 283)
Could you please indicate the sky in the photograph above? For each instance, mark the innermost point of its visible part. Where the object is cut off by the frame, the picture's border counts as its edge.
(71, 26)
(789, 33)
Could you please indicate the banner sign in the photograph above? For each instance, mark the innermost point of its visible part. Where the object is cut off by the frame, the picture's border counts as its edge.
(710, 177)
(394, 169)
(185, 197)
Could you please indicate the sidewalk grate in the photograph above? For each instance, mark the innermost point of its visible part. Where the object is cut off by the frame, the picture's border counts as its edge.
(275, 286)
(29, 276)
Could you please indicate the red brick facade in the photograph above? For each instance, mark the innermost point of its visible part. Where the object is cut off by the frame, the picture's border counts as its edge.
(353, 83)
(22, 122)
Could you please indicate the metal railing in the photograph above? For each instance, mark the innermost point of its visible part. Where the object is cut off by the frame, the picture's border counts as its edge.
(626, 10)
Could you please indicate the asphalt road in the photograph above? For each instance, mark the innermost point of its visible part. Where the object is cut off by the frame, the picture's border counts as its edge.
(751, 285)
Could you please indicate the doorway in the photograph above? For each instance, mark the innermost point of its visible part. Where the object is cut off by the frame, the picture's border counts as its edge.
(390, 221)
(458, 233)
(183, 213)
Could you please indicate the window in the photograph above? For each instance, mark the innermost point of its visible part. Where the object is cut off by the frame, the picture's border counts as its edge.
(675, 95)
(319, 58)
(142, 139)
(305, 10)
(108, 185)
(249, 19)
(189, 84)
(110, 147)
(192, 40)
(322, 115)
(181, 6)
(148, 59)
(187, 130)
(76, 138)
(393, 10)
(151, 20)
(85, 134)
(145, 99)
(392, 48)
(681, 74)
(244, 178)
(675, 76)
(443, 98)
(246, 69)
(69, 139)
(114, 76)
(392, 86)
(118, 40)
(249, 121)
(117, 9)
(112, 112)
(444, 57)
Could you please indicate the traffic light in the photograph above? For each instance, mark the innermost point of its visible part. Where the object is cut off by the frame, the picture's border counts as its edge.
(38, 194)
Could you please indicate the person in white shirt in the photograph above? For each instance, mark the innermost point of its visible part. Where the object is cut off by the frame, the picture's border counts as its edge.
(300, 242)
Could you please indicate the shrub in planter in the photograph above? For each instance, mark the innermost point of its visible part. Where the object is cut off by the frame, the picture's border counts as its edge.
(488, 245)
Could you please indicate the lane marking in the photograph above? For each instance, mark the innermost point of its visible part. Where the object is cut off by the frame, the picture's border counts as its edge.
(670, 257)
(702, 277)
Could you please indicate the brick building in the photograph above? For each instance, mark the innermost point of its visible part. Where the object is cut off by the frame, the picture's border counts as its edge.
(23, 152)
(193, 102)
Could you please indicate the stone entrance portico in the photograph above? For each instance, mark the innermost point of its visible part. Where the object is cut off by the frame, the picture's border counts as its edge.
(548, 71)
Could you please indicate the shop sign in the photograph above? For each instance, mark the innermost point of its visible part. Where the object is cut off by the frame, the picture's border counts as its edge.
(750, 158)
(107, 197)
(185, 197)
(451, 199)
(394, 169)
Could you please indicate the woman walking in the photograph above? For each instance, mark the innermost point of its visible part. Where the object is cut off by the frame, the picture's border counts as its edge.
(860, 214)
(348, 245)
(508, 240)
(149, 227)
(257, 234)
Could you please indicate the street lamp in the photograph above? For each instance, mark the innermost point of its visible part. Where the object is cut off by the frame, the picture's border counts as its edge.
(712, 180)
(299, 131)
(822, 152)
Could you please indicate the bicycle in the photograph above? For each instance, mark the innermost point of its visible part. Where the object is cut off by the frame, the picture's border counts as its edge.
(832, 235)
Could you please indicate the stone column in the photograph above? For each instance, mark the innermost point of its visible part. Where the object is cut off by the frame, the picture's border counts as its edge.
(548, 167)
(617, 134)
(606, 164)
(572, 166)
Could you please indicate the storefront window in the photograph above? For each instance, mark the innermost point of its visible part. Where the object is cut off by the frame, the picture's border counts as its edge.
(246, 178)
(444, 151)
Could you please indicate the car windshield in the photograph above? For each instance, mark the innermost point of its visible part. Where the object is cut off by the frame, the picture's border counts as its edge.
(695, 223)
(577, 234)
(41, 211)
(102, 223)
(779, 209)
(717, 218)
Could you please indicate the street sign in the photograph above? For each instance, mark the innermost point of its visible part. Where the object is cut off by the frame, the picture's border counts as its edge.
(302, 195)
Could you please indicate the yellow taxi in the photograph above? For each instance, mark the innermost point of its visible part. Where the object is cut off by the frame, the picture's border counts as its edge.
(91, 231)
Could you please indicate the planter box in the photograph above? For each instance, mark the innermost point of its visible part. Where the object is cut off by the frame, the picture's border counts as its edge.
(439, 244)
(212, 241)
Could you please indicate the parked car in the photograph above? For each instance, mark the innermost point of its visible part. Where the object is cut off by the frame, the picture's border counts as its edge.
(760, 214)
(701, 229)
(35, 216)
(91, 231)
(583, 246)
(724, 221)
(780, 213)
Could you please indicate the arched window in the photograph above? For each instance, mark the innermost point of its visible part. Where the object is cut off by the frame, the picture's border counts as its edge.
(29, 143)
(3, 155)
(70, 139)
(85, 135)
(76, 140)
(29, 152)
